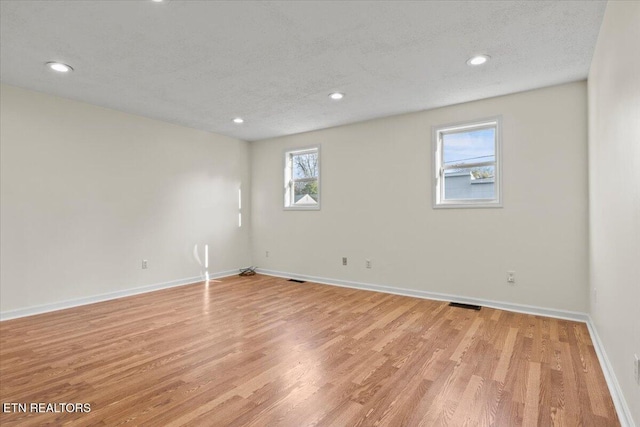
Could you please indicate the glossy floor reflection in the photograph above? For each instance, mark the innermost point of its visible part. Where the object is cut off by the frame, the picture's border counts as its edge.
(264, 351)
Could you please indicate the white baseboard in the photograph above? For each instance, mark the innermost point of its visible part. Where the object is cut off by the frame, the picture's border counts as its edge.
(624, 413)
(61, 305)
(518, 308)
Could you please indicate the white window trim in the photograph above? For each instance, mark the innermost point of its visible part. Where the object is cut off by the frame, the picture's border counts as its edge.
(285, 168)
(438, 170)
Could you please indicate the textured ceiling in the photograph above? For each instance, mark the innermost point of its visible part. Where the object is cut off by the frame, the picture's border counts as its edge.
(202, 63)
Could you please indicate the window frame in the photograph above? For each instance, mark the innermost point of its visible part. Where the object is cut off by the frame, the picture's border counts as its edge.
(290, 183)
(438, 169)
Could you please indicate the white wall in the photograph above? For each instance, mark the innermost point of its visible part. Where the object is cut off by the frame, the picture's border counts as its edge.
(614, 192)
(87, 193)
(376, 204)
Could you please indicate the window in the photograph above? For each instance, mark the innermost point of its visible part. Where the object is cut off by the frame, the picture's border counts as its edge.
(467, 164)
(302, 179)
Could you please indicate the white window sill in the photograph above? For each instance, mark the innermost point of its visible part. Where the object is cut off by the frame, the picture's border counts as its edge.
(301, 208)
(467, 205)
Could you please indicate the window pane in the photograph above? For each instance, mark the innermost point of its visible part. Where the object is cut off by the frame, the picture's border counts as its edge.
(470, 183)
(302, 179)
(305, 193)
(474, 146)
(305, 165)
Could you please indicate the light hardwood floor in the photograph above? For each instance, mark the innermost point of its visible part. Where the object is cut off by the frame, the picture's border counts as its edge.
(262, 351)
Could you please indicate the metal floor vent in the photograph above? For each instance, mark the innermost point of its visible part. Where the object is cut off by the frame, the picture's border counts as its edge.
(297, 281)
(467, 306)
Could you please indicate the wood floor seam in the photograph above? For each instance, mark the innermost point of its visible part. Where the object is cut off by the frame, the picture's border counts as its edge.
(260, 350)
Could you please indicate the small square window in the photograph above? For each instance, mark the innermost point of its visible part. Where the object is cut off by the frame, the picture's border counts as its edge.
(302, 179)
(467, 165)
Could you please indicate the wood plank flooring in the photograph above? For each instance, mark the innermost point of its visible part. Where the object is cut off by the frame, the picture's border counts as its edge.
(262, 351)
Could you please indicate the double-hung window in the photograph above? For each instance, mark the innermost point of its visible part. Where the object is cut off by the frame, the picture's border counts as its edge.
(302, 179)
(467, 164)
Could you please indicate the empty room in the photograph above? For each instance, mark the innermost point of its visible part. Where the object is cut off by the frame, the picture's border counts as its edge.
(327, 213)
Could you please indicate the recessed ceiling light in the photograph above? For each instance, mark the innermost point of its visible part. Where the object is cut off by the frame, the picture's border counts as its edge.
(59, 67)
(478, 60)
(157, 1)
(336, 95)
(238, 120)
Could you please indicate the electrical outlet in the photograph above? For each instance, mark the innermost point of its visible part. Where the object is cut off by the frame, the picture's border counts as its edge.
(511, 277)
(367, 263)
(636, 368)
(266, 254)
(344, 260)
(145, 264)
